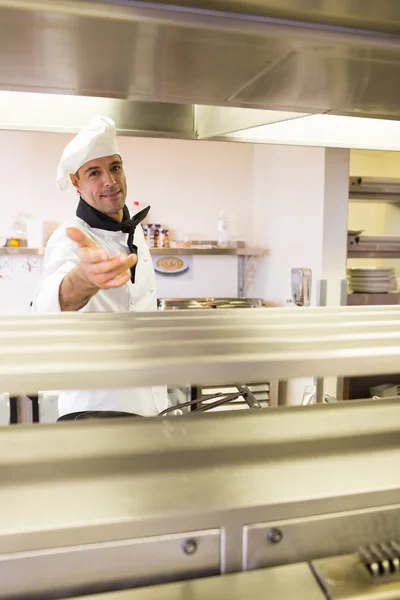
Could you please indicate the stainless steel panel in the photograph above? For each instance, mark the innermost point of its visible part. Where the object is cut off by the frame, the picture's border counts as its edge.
(274, 343)
(293, 582)
(63, 113)
(344, 578)
(92, 567)
(346, 79)
(107, 481)
(272, 55)
(281, 542)
(382, 16)
(215, 121)
(124, 51)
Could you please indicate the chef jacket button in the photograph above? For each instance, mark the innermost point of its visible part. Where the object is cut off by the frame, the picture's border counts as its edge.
(151, 290)
(146, 260)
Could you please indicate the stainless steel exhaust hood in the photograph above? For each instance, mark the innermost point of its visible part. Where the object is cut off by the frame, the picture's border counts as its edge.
(184, 69)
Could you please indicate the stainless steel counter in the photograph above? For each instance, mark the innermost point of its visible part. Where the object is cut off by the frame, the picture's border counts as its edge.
(89, 507)
(139, 502)
(291, 582)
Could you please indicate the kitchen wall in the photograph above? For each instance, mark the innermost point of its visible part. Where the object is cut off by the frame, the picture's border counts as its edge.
(287, 205)
(300, 212)
(186, 183)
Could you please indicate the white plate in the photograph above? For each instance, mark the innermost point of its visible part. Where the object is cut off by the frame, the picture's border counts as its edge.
(377, 281)
(170, 265)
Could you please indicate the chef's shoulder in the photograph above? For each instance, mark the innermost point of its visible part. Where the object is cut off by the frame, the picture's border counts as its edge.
(60, 237)
(60, 249)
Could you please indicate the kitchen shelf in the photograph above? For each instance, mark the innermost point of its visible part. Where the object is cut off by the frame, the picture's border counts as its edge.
(363, 246)
(374, 189)
(156, 251)
(373, 254)
(9, 251)
(193, 250)
(360, 299)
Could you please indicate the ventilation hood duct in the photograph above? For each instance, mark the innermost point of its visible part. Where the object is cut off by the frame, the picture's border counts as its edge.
(373, 188)
(195, 69)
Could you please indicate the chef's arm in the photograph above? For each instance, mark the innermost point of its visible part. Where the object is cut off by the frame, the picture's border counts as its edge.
(96, 271)
(75, 290)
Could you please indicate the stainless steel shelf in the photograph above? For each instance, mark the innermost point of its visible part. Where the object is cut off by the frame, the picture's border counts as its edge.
(8, 251)
(208, 251)
(157, 251)
(372, 254)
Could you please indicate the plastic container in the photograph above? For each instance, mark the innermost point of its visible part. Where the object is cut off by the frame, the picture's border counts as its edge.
(223, 230)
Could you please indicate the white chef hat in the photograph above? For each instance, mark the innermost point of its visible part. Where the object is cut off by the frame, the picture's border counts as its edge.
(94, 141)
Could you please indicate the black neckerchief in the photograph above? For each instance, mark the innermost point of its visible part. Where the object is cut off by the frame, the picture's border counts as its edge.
(94, 218)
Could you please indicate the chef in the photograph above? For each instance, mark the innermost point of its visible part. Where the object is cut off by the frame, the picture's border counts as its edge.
(98, 261)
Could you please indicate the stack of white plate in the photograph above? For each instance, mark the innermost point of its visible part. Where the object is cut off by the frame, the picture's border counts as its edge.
(372, 280)
(385, 390)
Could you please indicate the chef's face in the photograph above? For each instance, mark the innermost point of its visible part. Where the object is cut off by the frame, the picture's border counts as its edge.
(101, 183)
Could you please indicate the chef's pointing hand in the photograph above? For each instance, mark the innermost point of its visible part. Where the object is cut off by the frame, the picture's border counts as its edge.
(101, 270)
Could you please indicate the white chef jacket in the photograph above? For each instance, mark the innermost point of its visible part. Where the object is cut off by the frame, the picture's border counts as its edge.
(61, 256)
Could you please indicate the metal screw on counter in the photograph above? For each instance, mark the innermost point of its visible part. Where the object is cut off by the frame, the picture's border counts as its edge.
(190, 547)
(275, 535)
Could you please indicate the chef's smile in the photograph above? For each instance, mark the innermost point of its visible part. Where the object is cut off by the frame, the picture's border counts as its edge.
(111, 194)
